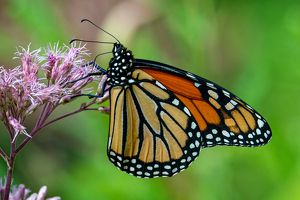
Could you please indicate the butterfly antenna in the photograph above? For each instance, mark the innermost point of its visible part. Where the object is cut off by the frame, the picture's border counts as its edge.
(71, 41)
(100, 55)
(101, 29)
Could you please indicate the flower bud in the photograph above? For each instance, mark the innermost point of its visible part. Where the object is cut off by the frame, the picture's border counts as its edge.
(105, 110)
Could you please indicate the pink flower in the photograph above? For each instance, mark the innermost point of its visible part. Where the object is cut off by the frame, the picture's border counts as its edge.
(21, 193)
(17, 127)
(63, 62)
(22, 91)
(54, 56)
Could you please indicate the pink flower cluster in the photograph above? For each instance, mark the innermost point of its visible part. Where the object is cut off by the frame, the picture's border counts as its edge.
(21, 193)
(22, 91)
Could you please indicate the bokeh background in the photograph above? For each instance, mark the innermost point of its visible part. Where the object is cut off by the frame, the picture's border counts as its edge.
(252, 48)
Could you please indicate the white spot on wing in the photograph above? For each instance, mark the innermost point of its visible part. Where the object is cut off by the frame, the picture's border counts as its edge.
(197, 84)
(186, 110)
(109, 143)
(233, 102)
(193, 125)
(160, 85)
(249, 107)
(197, 143)
(227, 94)
(209, 136)
(260, 123)
(191, 76)
(167, 167)
(258, 132)
(225, 133)
(131, 81)
(211, 85)
(165, 173)
(175, 102)
(257, 115)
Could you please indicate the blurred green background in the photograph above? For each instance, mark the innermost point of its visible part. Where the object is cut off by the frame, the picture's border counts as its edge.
(252, 48)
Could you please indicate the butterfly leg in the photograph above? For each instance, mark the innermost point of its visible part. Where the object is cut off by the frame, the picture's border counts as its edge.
(88, 75)
(88, 95)
(95, 65)
(103, 88)
(101, 72)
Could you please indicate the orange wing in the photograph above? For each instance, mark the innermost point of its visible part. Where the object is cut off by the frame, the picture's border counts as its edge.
(222, 117)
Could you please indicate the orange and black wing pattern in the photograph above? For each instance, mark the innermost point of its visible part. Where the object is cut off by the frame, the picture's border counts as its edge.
(162, 116)
(222, 117)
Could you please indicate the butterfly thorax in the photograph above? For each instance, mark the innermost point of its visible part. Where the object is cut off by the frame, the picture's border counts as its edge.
(120, 66)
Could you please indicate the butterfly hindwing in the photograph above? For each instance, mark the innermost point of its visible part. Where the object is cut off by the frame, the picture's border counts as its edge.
(152, 133)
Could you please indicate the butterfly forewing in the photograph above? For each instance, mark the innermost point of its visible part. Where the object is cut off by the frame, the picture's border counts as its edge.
(152, 133)
(223, 118)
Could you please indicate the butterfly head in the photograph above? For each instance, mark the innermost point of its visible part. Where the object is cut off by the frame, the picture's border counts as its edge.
(120, 66)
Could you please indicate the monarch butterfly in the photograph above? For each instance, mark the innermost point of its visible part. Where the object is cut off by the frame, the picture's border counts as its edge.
(162, 116)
